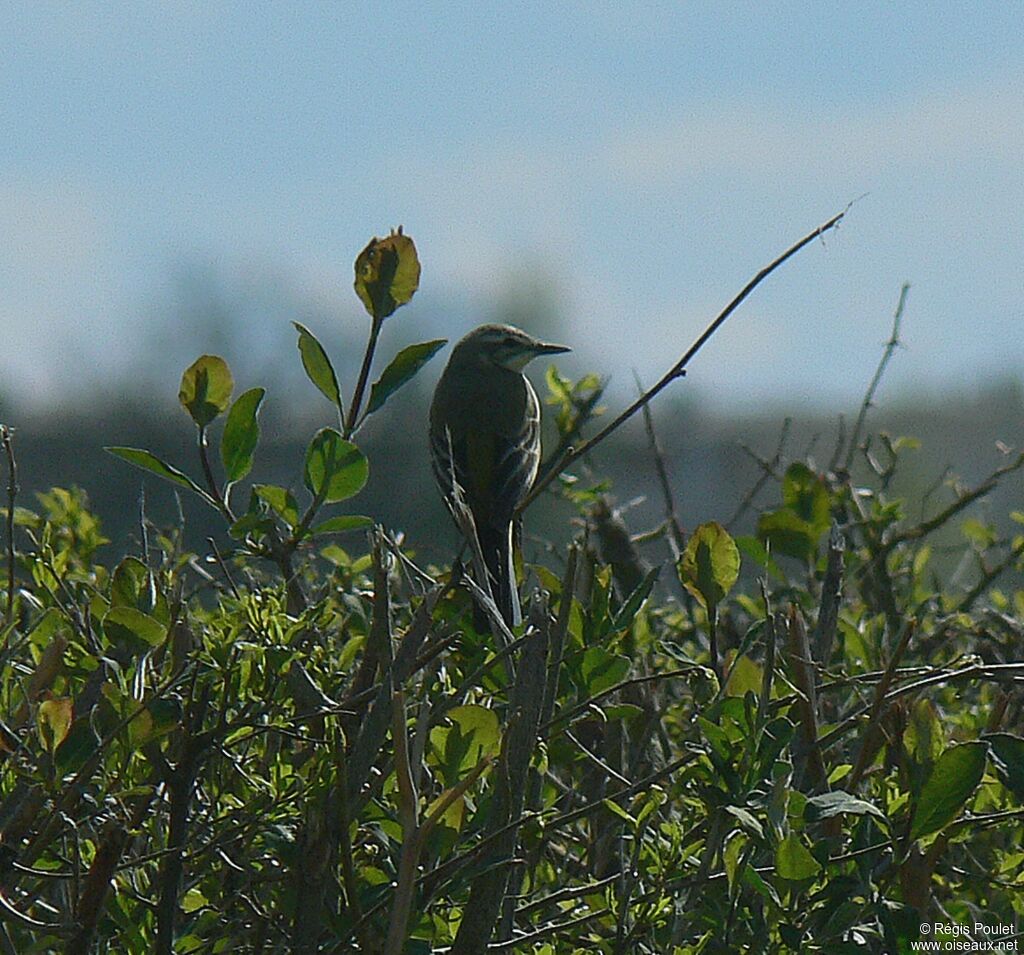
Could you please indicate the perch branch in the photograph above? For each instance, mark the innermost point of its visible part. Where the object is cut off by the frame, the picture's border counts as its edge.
(678, 370)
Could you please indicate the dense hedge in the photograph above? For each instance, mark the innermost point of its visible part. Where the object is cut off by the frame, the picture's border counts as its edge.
(800, 740)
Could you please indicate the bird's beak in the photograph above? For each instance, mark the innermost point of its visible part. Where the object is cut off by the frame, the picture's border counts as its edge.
(545, 348)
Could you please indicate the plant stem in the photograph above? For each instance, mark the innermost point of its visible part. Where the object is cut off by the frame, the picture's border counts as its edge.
(869, 395)
(364, 375)
(211, 481)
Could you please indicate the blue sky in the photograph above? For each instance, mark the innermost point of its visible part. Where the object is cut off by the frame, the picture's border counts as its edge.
(643, 159)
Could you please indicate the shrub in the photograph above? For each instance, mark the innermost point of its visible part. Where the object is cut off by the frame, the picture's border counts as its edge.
(796, 740)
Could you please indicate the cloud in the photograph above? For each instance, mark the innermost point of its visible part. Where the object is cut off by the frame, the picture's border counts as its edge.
(756, 141)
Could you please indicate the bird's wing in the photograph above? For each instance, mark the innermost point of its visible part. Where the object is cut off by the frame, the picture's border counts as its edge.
(493, 456)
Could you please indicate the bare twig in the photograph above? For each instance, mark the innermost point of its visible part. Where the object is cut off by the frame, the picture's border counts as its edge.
(678, 370)
(963, 500)
(869, 395)
(768, 470)
(676, 537)
(831, 597)
(989, 577)
(870, 741)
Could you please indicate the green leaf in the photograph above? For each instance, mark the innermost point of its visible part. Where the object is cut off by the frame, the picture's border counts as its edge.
(796, 528)
(53, 721)
(129, 582)
(335, 468)
(627, 612)
(480, 726)
(342, 524)
(401, 369)
(710, 564)
(601, 670)
(615, 808)
(805, 494)
(1008, 759)
(387, 274)
(793, 861)
(150, 462)
(193, 900)
(474, 733)
(787, 533)
(241, 434)
(280, 500)
(148, 629)
(747, 820)
(834, 803)
(80, 743)
(953, 779)
(206, 389)
(745, 675)
(318, 366)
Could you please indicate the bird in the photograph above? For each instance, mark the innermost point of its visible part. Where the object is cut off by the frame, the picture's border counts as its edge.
(485, 444)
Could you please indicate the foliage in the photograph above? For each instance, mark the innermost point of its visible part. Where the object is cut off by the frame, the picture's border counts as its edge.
(289, 745)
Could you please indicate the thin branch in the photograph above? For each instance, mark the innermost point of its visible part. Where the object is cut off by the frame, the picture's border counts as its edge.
(364, 375)
(869, 395)
(12, 493)
(968, 497)
(768, 470)
(676, 537)
(678, 370)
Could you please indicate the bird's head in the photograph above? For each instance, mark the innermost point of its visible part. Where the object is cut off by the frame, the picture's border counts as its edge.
(503, 345)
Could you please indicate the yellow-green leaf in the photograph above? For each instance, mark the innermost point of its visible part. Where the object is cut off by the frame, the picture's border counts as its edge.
(206, 389)
(141, 625)
(794, 861)
(54, 721)
(387, 274)
(710, 564)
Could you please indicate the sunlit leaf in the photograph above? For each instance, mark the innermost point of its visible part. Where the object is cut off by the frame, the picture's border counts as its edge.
(148, 629)
(342, 524)
(150, 462)
(747, 820)
(241, 434)
(479, 725)
(827, 805)
(281, 501)
(335, 468)
(387, 274)
(794, 861)
(710, 564)
(54, 722)
(401, 369)
(318, 366)
(206, 389)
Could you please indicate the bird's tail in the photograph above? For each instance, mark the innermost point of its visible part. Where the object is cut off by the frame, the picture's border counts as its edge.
(496, 544)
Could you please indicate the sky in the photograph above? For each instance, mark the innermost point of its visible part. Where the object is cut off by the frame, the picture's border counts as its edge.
(640, 162)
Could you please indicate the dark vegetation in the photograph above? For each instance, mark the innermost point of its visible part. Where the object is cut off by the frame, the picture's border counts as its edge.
(789, 730)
